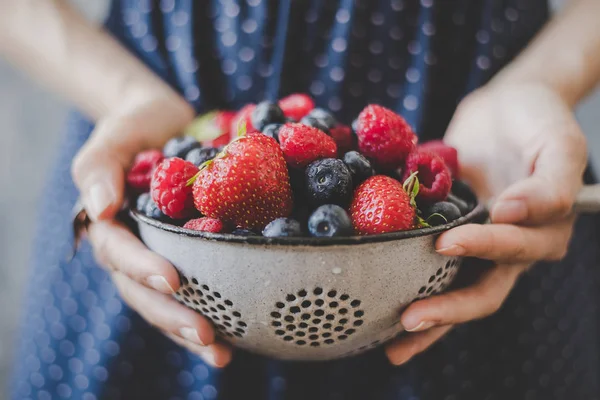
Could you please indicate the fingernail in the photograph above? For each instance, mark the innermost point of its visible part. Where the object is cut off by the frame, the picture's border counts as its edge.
(454, 250)
(190, 334)
(421, 326)
(402, 360)
(209, 357)
(509, 211)
(99, 197)
(160, 283)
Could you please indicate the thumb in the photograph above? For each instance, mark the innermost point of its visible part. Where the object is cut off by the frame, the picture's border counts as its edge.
(550, 191)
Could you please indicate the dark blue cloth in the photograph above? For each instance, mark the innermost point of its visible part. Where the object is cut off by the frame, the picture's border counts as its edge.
(80, 341)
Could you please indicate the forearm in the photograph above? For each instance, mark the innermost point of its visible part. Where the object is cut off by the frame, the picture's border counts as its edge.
(566, 54)
(61, 49)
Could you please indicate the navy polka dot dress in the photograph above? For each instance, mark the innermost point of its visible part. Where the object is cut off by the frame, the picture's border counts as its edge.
(80, 341)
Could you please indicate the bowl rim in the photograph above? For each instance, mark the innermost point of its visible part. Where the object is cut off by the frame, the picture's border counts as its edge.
(477, 215)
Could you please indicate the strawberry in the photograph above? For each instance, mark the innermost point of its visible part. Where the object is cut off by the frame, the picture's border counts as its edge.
(205, 224)
(433, 174)
(381, 205)
(169, 188)
(303, 144)
(446, 152)
(344, 139)
(296, 105)
(244, 115)
(247, 185)
(384, 136)
(140, 173)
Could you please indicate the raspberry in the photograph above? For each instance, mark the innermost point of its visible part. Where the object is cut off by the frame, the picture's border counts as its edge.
(433, 174)
(303, 144)
(342, 134)
(384, 136)
(205, 224)
(296, 105)
(447, 153)
(169, 188)
(140, 173)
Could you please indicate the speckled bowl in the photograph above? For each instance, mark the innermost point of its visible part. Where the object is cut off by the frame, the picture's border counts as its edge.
(305, 298)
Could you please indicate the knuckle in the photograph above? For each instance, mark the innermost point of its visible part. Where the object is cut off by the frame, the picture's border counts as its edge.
(563, 201)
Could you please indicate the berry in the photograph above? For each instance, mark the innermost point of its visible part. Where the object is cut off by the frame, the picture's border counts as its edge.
(302, 144)
(169, 187)
(283, 227)
(381, 205)
(272, 130)
(325, 117)
(441, 213)
(180, 146)
(384, 137)
(204, 224)
(140, 173)
(354, 126)
(342, 134)
(360, 168)
(248, 186)
(445, 152)
(328, 181)
(462, 205)
(223, 121)
(266, 113)
(434, 177)
(309, 120)
(289, 119)
(222, 140)
(151, 210)
(296, 106)
(244, 115)
(330, 220)
(243, 232)
(141, 201)
(199, 156)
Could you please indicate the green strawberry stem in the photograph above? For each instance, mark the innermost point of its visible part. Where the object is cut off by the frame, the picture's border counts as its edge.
(411, 186)
(202, 167)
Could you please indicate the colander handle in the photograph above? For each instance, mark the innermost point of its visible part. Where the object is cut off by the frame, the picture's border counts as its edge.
(588, 200)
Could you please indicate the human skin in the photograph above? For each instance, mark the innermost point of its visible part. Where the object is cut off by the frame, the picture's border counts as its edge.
(526, 111)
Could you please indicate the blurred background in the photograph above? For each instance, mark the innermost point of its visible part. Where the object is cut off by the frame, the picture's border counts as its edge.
(31, 121)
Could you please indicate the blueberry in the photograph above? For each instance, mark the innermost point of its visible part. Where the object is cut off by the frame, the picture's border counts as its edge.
(309, 120)
(360, 168)
(441, 213)
(243, 232)
(462, 205)
(290, 119)
(330, 220)
(328, 181)
(272, 130)
(200, 155)
(354, 126)
(283, 227)
(324, 116)
(141, 201)
(151, 210)
(180, 146)
(267, 113)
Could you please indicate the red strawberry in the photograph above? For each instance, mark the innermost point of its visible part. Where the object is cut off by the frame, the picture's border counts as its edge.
(247, 186)
(243, 115)
(434, 176)
(223, 120)
(140, 173)
(384, 136)
(381, 205)
(204, 224)
(296, 105)
(303, 144)
(221, 140)
(447, 153)
(344, 139)
(169, 188)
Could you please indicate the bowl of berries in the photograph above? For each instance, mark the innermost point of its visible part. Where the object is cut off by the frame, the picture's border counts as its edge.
(302, 240)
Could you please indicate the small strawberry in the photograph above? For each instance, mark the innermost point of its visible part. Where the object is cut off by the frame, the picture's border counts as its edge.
(433, 174)
(140, 173)
(303, 144)
(384, 136)
(296, 105)
(169, 188)
(344, 138)
(243, 116)
(381, 205)
(205, 224)
(446, 152)
(246, 185)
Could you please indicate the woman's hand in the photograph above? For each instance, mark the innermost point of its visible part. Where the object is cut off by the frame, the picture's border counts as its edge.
(523, 152)
(145, 280)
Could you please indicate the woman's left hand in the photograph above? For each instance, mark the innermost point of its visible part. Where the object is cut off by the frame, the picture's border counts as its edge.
(524, 154)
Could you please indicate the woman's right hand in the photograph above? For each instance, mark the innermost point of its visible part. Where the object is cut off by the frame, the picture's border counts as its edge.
(145, 280)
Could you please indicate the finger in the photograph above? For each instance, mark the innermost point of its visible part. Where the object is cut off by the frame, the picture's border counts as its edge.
(507, 243)
(117, 248)
(550, 191)
(473, 302)
(164, 312)
(218, 355)
(403, 349)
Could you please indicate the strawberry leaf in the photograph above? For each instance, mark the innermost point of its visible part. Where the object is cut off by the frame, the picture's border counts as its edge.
(241, 128)
(202, 167)
(411, 186)
(422, 223)
(438, 215)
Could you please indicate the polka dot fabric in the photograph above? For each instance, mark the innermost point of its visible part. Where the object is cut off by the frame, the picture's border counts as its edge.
(80, 341)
